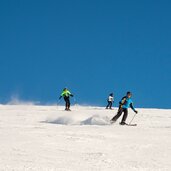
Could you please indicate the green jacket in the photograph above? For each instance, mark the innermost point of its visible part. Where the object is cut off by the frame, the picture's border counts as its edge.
(66, 93)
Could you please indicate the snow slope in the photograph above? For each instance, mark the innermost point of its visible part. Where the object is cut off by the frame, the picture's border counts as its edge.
(47, 138)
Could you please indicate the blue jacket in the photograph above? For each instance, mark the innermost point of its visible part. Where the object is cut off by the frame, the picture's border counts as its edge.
(126, 103)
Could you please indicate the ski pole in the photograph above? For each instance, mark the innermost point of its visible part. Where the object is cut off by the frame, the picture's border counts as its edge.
(58, 102)
(75, 101)
(132, 119)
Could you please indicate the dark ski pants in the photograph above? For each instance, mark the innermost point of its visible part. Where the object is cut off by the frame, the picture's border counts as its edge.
(109, 104)
(67, 102)
(120, 113)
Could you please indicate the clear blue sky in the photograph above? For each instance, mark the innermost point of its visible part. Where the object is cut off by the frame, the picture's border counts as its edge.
(93, 47)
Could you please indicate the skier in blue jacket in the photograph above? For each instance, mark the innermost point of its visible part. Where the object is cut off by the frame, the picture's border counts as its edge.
(124, 104)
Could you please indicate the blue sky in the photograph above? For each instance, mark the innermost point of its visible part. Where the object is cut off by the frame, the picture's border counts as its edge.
(93, 47)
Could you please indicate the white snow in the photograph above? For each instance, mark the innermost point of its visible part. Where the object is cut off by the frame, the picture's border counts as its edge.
(47, 138)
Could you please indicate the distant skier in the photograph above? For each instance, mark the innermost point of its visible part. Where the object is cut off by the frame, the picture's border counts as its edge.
(110, 101)
(66, 95)
(124, 104)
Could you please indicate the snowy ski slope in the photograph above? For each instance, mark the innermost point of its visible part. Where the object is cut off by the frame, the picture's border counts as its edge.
(47, 138)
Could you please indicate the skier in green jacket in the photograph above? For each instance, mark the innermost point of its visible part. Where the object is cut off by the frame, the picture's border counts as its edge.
(66, 95)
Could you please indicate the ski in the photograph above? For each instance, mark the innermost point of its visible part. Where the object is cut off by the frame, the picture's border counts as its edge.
(112, 122)
(68, 110)
(131, 124)
(128, 124)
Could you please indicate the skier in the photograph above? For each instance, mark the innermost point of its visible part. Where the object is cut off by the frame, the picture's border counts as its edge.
(124, 104)
(66, 95)
(110, 101)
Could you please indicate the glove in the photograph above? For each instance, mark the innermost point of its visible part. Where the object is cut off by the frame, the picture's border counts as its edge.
(60, 97)
(71, 95)
(136, 111)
